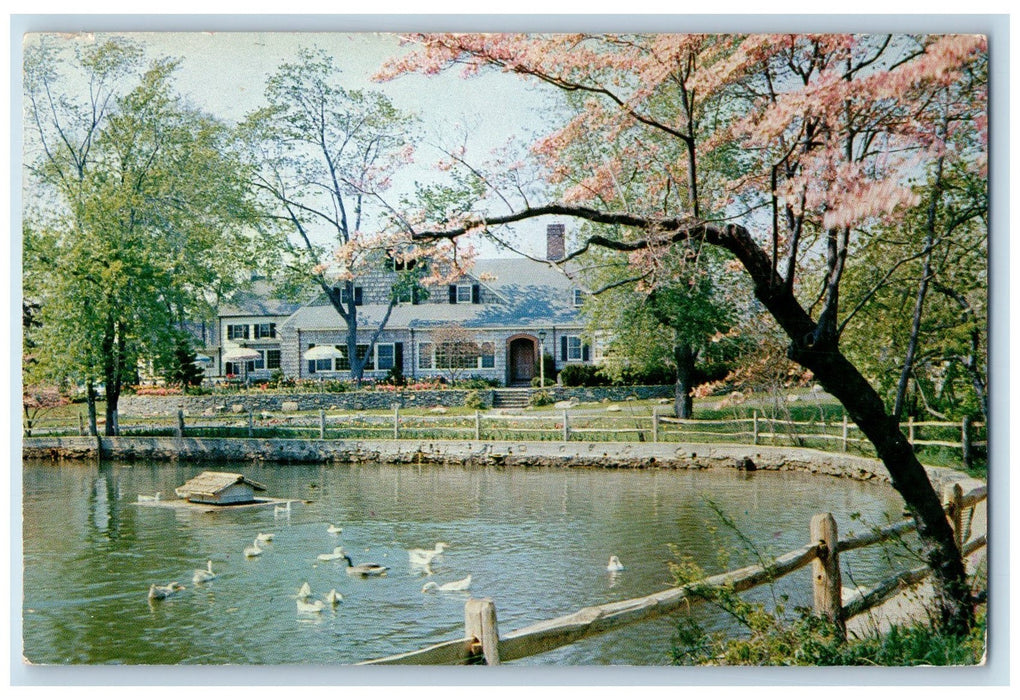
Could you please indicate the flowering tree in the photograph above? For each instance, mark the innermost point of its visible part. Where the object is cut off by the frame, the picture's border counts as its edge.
(324, 156)
(784, 150)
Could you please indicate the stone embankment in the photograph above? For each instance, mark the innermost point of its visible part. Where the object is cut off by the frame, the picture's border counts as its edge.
(609, 455)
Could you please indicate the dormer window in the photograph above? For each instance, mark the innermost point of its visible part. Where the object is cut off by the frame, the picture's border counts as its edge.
(463, 293)
(578, 297)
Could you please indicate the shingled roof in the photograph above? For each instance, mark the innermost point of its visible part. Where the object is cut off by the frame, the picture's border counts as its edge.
(209, 484)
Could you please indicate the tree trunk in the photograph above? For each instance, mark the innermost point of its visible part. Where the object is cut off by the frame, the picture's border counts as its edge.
(864, 406)
(90, 398)
(685, 357)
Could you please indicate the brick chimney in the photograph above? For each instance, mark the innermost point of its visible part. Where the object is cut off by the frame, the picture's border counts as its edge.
(554, 242)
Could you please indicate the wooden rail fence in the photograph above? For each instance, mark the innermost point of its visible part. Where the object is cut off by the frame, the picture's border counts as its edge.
(482, 643)
(565, 425)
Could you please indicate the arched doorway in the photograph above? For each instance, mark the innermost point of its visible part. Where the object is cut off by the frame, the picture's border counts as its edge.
(521, 354)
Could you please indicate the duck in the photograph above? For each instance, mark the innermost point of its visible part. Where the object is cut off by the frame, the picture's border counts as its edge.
(203, 575)
(461, 585)
(314, 606)
(305, 592)
(334, 530)
(614, 564)
(163, 592)
(334, 598)
(149, 499)
(264, 537)
(338, 553)
(364, 569)
(424, 557)
(254, 550)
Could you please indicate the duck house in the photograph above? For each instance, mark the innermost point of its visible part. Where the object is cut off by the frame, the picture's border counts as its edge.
(219, 488)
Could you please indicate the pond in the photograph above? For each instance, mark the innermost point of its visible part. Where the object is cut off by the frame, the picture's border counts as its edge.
(534, 540)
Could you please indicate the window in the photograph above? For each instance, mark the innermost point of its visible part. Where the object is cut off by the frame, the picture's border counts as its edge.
(463, 293)
(425, 356)
(384, 356)
(237, 332)
(488, 360)
(272, 359)
(573, 348)
(265, 330)
(345, 296)
(578, 297)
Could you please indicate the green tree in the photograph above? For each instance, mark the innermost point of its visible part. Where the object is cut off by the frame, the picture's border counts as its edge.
(325, 155)
(139, 211)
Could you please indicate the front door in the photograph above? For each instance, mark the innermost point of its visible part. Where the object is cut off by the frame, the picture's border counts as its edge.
(522, 361)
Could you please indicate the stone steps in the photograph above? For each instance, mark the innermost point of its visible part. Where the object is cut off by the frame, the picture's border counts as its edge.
(510, 398)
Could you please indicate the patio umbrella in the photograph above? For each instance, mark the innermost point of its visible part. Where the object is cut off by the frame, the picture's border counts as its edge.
(242, 355)
(323, 352)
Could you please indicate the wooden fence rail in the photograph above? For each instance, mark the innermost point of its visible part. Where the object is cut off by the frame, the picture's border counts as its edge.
(567, 425)
(482, 642)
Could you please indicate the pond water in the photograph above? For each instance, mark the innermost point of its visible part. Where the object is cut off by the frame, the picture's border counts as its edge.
(535, 540)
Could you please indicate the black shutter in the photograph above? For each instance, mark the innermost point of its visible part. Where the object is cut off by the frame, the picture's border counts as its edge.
(414, 295)
(311, 367)
(585, 351)
(398, 357)
(476, 293)
(246, 331)
(563, 348)
(357, 296)
(453, 294)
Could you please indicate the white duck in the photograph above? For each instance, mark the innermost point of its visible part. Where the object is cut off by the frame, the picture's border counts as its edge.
(424, 557)
(164, 592)
(149, 499)
(614, 564)
(314, 606)
(264, 537)
(203, 575)
(253, 551)
(305, 592)
(334, 598)
(334, 530)
(461, 585)
(364, 569)
(338, 553)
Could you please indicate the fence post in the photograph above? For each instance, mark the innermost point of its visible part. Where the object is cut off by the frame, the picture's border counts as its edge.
(251, 423)
(845, 430)
(480, 625)
(566, 426)
(952, 499)
(965, 440)
(910, 430)
(322, 424)
(81, 424)
(655, 423)
(754, 432)
(180, 422)
(396, 421)
(478, 426)
(828, 593)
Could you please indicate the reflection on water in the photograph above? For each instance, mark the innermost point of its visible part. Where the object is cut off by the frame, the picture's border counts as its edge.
(537, 541)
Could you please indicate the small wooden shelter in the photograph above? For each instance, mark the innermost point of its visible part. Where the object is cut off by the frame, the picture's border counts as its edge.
(219, 488)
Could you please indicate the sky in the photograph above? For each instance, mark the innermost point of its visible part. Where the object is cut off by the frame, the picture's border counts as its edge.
(224, 73)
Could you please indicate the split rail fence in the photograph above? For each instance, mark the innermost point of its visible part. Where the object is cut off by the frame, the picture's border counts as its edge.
(566, 425)
(483, 644)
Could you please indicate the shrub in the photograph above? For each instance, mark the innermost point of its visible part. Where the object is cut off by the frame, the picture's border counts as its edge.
(582, 375)
(474, 400)
(476, 382)
(541, 398)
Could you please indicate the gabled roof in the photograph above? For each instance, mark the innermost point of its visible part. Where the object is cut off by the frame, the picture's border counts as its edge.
(211, 483)
(258, 300)
(536, 294)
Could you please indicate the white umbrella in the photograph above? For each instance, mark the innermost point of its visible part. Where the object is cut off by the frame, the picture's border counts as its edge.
(323, 352)
(241, 354)
(203, 359)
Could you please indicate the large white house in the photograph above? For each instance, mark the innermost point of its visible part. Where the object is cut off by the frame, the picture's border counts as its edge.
(513, 308)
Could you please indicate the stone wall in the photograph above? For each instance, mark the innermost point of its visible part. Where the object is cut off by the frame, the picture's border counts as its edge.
(359, 400)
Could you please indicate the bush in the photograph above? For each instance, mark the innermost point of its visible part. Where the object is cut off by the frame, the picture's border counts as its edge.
(476, 382)
(582, 375)
(474, 400)
(541, 398)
